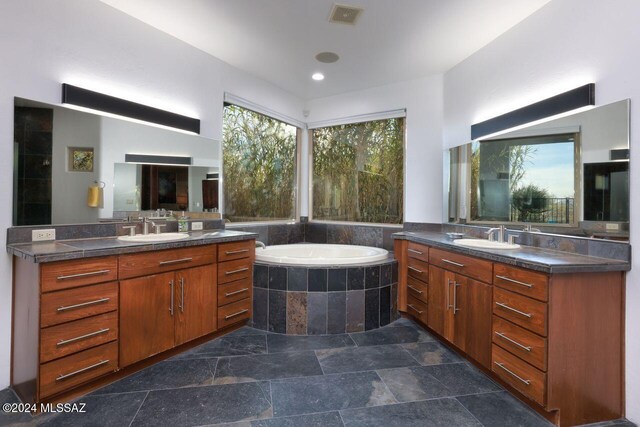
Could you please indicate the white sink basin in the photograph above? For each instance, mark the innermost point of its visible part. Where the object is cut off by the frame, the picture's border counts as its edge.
(484, 244)
(154, 238)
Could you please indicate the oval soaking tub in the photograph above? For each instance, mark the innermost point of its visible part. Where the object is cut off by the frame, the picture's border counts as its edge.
(320, 254)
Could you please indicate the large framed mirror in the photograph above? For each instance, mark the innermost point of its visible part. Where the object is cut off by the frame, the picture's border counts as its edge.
(569, 175)
(60, 152)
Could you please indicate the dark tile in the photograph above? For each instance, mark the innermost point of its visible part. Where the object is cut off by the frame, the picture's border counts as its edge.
(297, 279)
(385, 305)
(260, 308)
(413, 384)
(169, 374)
(364, 358)
(372, 277)
(317, 313)
(297, 313)
(560, 243)
(501, 409)
(429, 413)
(432, 353)
(109, 410)
(204, 405)
(336, 312)
(340, 234)
(461, 378)
(277, 321)
(285, 343)
(318, 280)
(337, 279)
(386, 274)
(403, 321)
(395, 335)
(394, 272)
(261, 276)
(387, 237)
(13, 418)
(315, 233)
(355, 311)
(613, 250)
(371, 309)
(278, 234)
(355, 278)
(328, 393)
(395, 315)
(266, 367)
(278, 278)
(325, 419)
(234, 345)
(247, 330)
(367, 236)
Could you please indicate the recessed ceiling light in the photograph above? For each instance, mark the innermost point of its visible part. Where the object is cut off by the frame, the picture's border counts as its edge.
(327, 57)
(317, 76)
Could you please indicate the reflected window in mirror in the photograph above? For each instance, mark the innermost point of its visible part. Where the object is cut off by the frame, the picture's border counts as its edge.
(606, 185)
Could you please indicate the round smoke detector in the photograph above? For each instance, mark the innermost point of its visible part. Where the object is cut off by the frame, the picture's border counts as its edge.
(327, 57)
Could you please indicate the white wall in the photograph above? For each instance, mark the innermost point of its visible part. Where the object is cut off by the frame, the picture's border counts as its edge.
(565, 44)
(89, 44)
(423, 100)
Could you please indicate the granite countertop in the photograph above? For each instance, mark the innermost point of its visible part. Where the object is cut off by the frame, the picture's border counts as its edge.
(103, 246)
(545, 260)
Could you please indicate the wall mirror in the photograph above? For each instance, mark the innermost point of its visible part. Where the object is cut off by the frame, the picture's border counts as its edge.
(569, 175)
(60, 152)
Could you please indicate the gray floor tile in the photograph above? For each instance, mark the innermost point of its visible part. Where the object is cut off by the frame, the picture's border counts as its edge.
(364, 358)
(391, 335)
(432, 353)
(325, 419)
(266, 367)
(428, 413)
(403, 321)
(238, 345)
(282, 343)
(329, 393)
(461, 378)
(247, 330)
(14, 418)
(412, 384)
(502, 409)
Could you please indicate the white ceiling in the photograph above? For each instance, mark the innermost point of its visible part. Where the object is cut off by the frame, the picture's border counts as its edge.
(393, 40)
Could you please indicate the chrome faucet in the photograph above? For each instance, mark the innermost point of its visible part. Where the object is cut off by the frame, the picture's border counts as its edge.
(145, 225)
(501, 232)
(259, 244)
(529, 229)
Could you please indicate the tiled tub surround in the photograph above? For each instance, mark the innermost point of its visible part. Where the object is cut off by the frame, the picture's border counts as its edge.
(301, 300)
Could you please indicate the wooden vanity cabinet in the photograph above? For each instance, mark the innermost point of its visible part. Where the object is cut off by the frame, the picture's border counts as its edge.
(235, 281)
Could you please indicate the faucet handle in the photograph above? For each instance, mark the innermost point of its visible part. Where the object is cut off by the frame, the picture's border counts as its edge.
(158, 226)
(131, 228)
(512, 239)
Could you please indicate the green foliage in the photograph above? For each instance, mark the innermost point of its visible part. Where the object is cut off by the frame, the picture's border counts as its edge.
(529, 201)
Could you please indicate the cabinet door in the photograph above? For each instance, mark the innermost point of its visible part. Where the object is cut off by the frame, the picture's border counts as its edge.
(195, 297)
(473, 319)
(460, 310)
(437, 304)
(146, 317)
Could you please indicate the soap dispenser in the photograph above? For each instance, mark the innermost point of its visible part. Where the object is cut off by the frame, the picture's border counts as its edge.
(183, 225)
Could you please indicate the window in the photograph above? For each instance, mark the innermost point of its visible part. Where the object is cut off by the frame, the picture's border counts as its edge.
(259, 166)
(358, 172)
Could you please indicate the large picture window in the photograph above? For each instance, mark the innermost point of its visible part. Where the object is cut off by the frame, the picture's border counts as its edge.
(358, 172)
(259, 166)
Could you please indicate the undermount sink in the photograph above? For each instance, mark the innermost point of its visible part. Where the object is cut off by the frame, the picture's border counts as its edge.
(485, 244)
(153, 238)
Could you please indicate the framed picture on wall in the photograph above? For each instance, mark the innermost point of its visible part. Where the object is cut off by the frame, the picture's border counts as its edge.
(80, 159)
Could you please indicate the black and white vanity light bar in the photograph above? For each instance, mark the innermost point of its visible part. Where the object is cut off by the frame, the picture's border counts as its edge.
(109, 104)
(582, 96)
(157, 159)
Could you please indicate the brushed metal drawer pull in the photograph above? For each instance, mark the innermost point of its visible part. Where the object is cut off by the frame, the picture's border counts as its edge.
(457, 264)
(414, 309)
(240, 270)
(79, 371)
(228, 294)
(239, 251)
(517, 282)
(415, 269)
(236, 314)
(414, 289)
(504, 337)
(81, 337)
(413, 251)
(176, 261)
(521, 313)
(500, 365)
(91, 273)
(82, 304)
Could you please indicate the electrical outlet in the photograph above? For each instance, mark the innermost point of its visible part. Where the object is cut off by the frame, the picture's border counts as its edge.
(612, 227)
(196, 226)
(43, 235)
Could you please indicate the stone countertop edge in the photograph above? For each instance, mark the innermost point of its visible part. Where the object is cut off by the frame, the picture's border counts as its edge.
(546, 260)
(63, 250)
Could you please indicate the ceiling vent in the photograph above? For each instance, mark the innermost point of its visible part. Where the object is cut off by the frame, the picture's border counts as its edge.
(342, 14)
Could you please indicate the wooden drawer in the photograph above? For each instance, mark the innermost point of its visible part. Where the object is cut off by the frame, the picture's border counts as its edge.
(523, 311)
(236, 250)
(155, 262)
(234, 270)
(417, 289)
(56, 276)
(524, 282)
(62, 340)
(418, 251)
(235, 312)
(469, 266)
(77, 303)
(417, 308)
(70, 371)
(234, 291)
(418, 269)
(526, 345)
(520, 375)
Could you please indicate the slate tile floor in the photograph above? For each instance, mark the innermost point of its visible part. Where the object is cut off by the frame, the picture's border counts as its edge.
(398, 375)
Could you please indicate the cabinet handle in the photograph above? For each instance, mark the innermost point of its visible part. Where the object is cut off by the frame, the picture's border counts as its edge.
(79, 371)
(239, 251)
(513, 374)
(240, 270)
(415, 269)
(455, 297)
(176, 261)
(181, 295)
(504, 337)
(414, 309)
(236, 314)
(414, 289)
(81, 337)
(448, 292)
(82, 304)
(91, 273)
(413, 251)
(517, 282)
(171, 306)
(228, 294)
(457, 264)
(521, 313)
